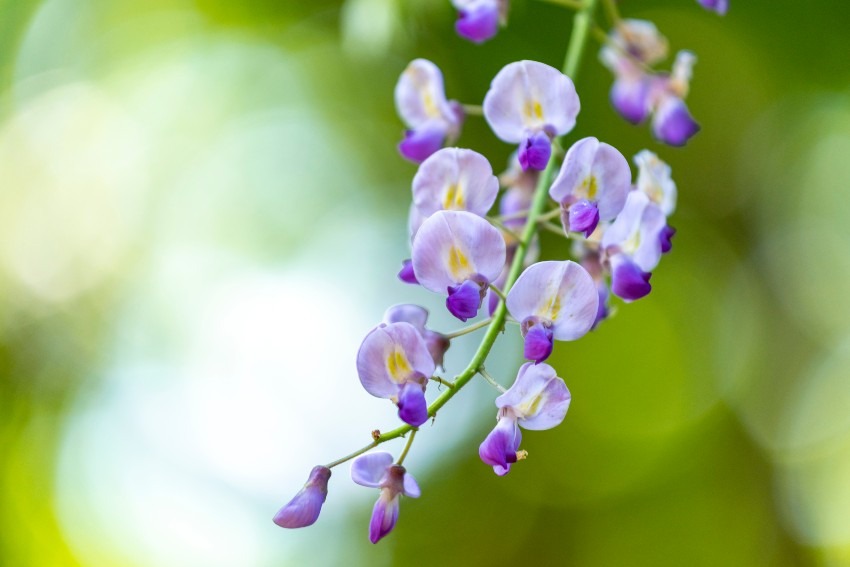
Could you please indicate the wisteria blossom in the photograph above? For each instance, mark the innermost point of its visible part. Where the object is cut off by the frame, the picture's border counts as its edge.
(552, 301)
(592, 185)
(672, 122)
(537, 400)
(458, 253)
(654, 179)
(479, 20)
(376, 470)
(417, 316)
(303, 510)
(394, 363)
(454, 179)
(528, 104)
(719, 6)
(633, 244)
(421, 102)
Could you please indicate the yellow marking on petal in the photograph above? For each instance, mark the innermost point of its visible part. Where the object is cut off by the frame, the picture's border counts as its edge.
(531, 407)
(589, 187)
(454, 199)
(632, 244)
(429, 104)
(552, 309)
(458, 264)
(533, 110)
(398, 366)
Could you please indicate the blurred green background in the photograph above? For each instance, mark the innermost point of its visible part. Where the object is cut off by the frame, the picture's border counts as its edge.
(202, 212)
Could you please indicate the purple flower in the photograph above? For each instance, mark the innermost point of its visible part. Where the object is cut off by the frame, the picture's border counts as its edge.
(417, 316)
(303, 510)
(537, 400)
(672, 123)
(421, 103)
(376, 470)
(394, 363)
(528, 104)
(552, 301)
(654, 179)
(479, 20)
(719, 6)
(406, 274)
(459, 253)
(592, 185)
(454, 179)
(633, 244)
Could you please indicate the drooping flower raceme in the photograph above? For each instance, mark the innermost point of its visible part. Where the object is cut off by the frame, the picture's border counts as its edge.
(633, 244)
(479, 20)
(529, 103)
(303, 510)
(719, 6)
(458, 253)
(421, 103)
(394, 363)
(592, 185)
(417, 316)
(376, 470)
(537, 400)
(552, 301)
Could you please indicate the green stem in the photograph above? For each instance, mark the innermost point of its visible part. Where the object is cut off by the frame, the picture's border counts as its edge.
(439, 380)
(356, 453)
(473, 110)
(498, 292)
(571, 4)
(467, 330)
(582, 23)
(486, 375)
(407, 447)
(612, 11)
(552, 227)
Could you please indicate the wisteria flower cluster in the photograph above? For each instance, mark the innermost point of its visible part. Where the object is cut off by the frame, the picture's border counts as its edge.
(474, 238)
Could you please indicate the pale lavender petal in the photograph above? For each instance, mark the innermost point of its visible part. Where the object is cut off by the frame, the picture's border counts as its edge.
(371, 469)
(584, 216)
(515, 200)
(390, 356)
(384, 516)
(437, 345)
(636, 232)
(654, 179)
(418, 144)
(630, 98)
(534, 151)
(538, 398)
(411, 488)
(416, 315)
(602, 311)
(455, 179)
(464, 300)
(640, 39)
(665, 237)
(672, 123)
(538, 343)
(303, 510)
(420, 96)
(652, 226)
(499, 448)
(406, 273)
(719, 6)
(560, 292)
(412, 407)
(528, 96)
(414, 221)
(479, 22)
(453, 246)
(628, 281)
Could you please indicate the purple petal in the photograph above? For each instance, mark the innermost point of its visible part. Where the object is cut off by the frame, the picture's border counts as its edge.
(527, 96)
(538, 398)
(303, 510)
(437, 345)
(665, 237)
(421, 142)
(628, 281)
(538, 342)
(672, 123)
(371, 469)
(407, 313)
(453, 246)
(411, 488)
(479, 23)
(406, 273)
(602, 311)
(636, 231)
(560, 292)
(534, 152)
(390, 356)
(719, 6)
(464, 300)
(499, 448)
(412, 407)
(630, 98)
(584, 216)
(384, 516)
(455, 179)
